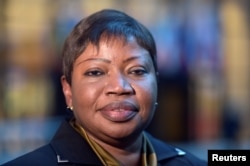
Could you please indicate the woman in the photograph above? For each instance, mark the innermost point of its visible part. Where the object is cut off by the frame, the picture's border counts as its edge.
(110, 85)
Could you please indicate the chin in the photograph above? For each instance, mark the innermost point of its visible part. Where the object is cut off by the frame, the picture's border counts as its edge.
(125, 132)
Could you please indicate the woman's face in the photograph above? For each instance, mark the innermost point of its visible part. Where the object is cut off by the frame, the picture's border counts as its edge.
(113, 89)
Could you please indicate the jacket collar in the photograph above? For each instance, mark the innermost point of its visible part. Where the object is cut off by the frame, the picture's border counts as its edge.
(70, 147)
(164, 151)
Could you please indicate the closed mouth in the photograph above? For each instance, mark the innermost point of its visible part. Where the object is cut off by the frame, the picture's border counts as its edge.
(119, 111)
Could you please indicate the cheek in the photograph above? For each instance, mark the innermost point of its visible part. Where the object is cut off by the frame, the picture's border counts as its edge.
(85, 96)
(149, 88)
(147, 95)
(147, 100)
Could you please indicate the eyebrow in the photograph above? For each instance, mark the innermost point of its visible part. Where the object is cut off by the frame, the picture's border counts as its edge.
(95, 59)
(108, 61)
(131, 59)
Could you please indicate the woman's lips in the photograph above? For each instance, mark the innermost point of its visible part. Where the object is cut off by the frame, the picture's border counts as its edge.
(119, 111)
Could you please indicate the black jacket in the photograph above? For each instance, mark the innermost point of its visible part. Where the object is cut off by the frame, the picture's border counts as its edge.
(68, 148)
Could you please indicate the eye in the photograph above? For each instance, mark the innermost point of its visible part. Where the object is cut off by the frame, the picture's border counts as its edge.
(94, 73)
(138, 72)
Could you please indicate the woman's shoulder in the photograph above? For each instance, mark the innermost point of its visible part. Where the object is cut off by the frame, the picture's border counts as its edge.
(170, 155)
(39, 157)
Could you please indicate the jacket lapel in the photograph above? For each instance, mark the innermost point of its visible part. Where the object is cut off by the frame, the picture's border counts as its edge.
(70, 147)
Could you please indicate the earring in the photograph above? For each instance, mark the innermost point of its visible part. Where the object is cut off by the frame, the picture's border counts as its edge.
(156, 104)
(70, 108)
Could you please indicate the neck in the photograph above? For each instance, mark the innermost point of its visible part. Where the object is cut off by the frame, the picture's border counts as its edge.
(127, 154)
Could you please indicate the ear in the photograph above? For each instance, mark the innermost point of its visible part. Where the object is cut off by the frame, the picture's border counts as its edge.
(66, 87)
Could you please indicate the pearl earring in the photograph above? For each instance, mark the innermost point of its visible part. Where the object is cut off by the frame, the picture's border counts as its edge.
(70, 108)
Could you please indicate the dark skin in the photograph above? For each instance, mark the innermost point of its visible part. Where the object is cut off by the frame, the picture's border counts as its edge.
(113, 94)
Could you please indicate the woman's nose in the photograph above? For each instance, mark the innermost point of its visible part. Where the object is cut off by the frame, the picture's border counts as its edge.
(118, 84)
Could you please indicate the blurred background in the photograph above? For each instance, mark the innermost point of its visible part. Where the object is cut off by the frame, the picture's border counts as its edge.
(203, 55)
